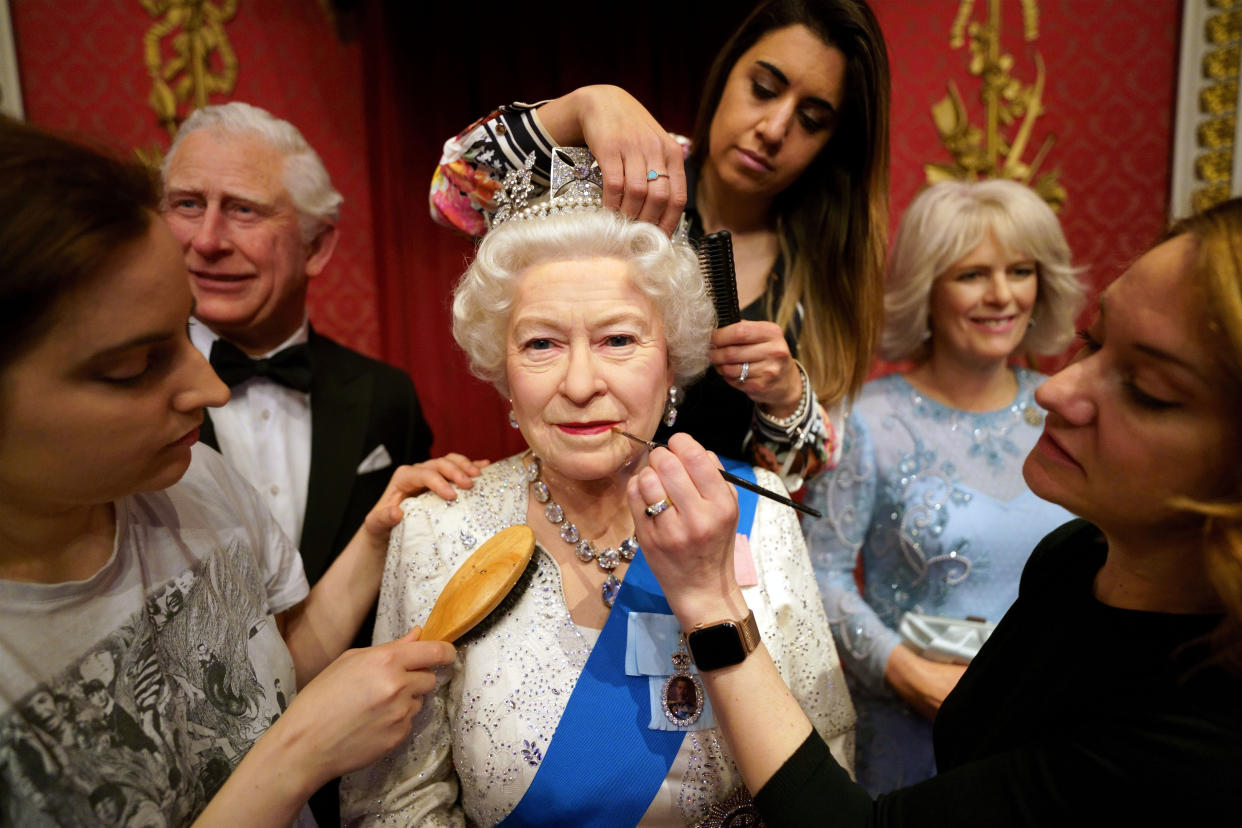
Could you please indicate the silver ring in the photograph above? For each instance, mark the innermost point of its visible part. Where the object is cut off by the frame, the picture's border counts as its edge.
(656, 508)
(745, 373)
(652, 175)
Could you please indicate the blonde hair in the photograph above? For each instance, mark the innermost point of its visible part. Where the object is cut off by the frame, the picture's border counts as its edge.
(1217, 233)
(665, 271)
(948, 220)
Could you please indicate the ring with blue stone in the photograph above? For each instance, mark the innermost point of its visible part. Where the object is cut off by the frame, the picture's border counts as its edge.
(652, 175)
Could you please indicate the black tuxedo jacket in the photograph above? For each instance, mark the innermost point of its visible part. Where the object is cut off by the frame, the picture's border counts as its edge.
(357, 404)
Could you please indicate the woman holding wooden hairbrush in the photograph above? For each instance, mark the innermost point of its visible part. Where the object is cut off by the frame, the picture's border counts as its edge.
(790, 154)
(574, 703)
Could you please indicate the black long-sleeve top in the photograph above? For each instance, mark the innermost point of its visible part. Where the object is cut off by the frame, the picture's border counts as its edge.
(1073, 713)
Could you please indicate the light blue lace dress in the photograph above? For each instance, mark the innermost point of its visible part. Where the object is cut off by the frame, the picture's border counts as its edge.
(932, 500)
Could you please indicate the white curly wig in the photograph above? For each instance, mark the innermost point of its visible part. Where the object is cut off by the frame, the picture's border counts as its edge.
(666, 271)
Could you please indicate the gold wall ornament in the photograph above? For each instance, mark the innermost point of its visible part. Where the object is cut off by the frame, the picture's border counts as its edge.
(10, 87)
(202, 62)
(1218, 101)
(1011, 108)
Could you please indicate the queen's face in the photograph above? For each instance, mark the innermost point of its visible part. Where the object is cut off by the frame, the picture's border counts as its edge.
(108, 402)
(981, 306)
(1137, 418)
(586, 351)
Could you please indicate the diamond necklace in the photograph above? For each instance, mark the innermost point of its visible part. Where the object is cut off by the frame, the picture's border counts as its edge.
(608, 559)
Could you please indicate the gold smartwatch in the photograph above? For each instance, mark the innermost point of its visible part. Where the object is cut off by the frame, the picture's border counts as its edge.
(723, 643)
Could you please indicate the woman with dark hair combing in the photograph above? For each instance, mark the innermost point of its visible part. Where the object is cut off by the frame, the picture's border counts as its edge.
(789, 154)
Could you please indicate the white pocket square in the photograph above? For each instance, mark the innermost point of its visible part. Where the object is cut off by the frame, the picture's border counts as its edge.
(378, 459)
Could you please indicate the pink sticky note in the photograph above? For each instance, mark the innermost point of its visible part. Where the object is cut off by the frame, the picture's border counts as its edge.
(744, 562)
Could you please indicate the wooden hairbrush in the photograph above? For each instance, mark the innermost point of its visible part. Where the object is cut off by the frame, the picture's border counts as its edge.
(716, 261)
(480, 584)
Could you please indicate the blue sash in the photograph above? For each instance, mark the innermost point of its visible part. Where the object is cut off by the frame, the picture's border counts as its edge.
(604, 764)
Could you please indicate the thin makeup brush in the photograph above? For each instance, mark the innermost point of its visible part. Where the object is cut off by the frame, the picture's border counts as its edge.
(732, 478)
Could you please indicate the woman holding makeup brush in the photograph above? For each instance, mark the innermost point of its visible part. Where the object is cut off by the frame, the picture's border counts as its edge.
(573, 703)
(789, 154)
(1108, 694)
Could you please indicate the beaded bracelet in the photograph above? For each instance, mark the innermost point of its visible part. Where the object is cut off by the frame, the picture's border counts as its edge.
(788, 424)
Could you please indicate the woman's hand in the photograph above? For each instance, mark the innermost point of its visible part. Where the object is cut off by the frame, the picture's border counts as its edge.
(439, 475)
(923, 683)
(354, 712)
(689, 545)
(772, 379)
(627, 142)
(361, 705)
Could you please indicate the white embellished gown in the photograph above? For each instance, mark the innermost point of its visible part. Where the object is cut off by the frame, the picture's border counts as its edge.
(488, 726)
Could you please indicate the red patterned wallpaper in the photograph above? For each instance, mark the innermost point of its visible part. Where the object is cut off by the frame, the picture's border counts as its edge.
(82, 70)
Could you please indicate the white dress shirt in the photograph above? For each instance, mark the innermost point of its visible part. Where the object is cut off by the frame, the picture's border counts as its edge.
(265, 432)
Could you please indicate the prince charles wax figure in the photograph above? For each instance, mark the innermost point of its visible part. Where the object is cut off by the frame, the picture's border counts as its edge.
(316, 427)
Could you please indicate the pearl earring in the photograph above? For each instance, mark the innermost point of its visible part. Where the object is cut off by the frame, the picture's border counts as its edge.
(670, 408)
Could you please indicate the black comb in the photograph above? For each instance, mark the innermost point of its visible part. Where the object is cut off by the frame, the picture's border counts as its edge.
(716, 262)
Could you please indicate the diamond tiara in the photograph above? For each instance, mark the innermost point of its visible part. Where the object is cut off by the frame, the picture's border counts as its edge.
(576, 184)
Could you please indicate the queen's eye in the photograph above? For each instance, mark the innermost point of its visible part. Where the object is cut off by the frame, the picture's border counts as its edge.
(538, 344)
(619, 340)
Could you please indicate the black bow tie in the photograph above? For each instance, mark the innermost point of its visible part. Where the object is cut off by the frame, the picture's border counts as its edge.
(290, 367)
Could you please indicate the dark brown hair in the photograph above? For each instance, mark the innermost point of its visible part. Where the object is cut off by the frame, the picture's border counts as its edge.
(832, 221)
(65, 211)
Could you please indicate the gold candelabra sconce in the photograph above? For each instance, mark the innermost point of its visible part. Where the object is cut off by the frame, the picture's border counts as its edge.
(200, 61)
(1011, 108)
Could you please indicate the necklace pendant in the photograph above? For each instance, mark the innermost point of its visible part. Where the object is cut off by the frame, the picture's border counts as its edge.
(1032, 415)
(609, 590)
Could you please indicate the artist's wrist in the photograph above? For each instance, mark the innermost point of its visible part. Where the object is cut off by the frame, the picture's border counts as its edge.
(700, 609)
(789, 415)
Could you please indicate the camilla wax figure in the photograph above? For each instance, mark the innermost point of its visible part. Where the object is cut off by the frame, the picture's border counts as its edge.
(929, 494)
(1108, 694)
(574, 703)
(789, 154)
(155, 622)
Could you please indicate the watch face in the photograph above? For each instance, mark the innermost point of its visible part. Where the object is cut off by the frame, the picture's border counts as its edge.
(719, 645)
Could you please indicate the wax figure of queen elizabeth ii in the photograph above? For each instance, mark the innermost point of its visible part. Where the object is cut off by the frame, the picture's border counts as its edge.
(575, 703)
